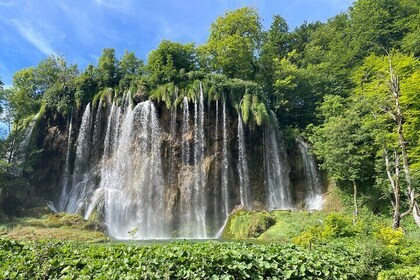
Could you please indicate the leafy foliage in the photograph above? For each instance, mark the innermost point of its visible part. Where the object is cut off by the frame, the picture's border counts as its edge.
(174, 260)
(406, 273)
(233, 43)
(170, 61)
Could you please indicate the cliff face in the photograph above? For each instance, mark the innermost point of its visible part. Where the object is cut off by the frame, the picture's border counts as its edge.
(180, 169)
(52, 137)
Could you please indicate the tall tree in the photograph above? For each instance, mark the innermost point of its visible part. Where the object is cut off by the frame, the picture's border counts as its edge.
(384, 91)
(275, 46)
(340, 143)
(379, 24)
(170, 61)
(130, 67)
(107, 70)
(234, 43)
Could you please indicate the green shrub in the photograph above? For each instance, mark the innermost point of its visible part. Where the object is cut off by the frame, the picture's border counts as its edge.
(406, 273)
(389, 236)
(335, 225)
(338, 225)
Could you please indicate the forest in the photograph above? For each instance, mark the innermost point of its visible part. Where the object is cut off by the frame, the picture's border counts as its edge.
(350, 87)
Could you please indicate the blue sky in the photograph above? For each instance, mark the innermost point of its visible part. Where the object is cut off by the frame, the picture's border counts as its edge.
(79, 29)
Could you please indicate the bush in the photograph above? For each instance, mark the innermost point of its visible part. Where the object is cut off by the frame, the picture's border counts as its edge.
(407, 273)
(335, 225)
(338, 225)
(389, 236)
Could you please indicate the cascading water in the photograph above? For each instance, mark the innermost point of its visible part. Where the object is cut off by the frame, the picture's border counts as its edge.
(173, 138)
(132, 178)
(199, 191)
(224, 172)
(149, 179)
(66, 179)
(216, 177)
(77, 194)
(97, 130)
(185, 132)
(244, 184)
(276, 168)
(186, 178)
(111, 137)
(18, 154)
(314, 199)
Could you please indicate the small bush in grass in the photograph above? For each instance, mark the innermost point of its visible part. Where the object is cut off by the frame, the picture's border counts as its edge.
(389, 236)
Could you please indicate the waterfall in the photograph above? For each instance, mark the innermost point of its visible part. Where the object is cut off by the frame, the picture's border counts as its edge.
(111, 133)
(225, 169)
(172, 141)
(97, 130)
(132, 178)
(77, 195)
(185, 132)
(216, 178)
(199, 194)
(314, 199)
(110, 130)
(65, 182)
(122, 151)
(185, 176)
(276, 168)
(244, 185)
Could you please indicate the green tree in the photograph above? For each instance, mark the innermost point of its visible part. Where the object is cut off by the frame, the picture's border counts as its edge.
(341, 143)
(107, 70)
(380, 24)
(86, 85)
(301, 36)
(297, 92)
(170, 61)
(130, 68)
(25, 98)
(234, 43)
(411, 39)
(386, 87)
(56, 82)
(275, 46)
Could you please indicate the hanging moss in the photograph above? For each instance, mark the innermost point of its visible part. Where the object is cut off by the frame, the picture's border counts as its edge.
(260, 113)
(246, 107)
(164, 93)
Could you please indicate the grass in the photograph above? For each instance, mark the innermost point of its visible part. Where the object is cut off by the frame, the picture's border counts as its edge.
(59, 226)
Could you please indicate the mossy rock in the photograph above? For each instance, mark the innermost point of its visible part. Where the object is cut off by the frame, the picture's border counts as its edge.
(247, 225)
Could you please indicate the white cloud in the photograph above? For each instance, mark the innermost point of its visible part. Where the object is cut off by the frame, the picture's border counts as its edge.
(27, 31)
(117, 5)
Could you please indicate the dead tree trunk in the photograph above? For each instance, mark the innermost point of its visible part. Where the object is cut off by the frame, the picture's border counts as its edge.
(356, 209)
(394, 87)
(395, 185)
